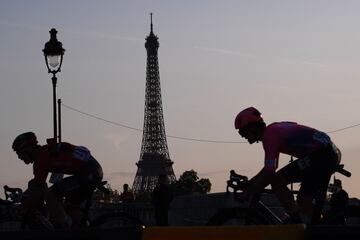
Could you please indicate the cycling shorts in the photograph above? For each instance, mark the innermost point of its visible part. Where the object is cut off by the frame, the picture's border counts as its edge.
(314, 171)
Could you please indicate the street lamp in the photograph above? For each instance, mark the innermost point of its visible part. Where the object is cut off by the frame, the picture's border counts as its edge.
(53, 52)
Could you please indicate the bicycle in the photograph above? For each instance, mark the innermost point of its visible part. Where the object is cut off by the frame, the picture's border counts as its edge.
(38, 218)
(257, 212)
(9, 209)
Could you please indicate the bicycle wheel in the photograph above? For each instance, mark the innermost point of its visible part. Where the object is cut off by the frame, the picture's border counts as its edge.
(115, 220)
(238, 216)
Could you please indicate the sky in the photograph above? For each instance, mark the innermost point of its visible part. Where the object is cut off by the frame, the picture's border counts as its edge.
(293, 60)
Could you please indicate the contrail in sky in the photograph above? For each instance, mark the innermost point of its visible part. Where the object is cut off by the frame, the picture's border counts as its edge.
(133, 39)
(315, 64)
(229, 52)
(89, 33)
(238, 53)
(105, 35)
(19, 25)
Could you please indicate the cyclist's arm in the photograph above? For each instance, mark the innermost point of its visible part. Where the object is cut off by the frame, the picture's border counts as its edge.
(267, 173)
(260, 181)
(34, 195)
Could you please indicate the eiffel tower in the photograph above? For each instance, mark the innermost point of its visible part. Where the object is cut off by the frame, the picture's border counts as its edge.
(154, 157)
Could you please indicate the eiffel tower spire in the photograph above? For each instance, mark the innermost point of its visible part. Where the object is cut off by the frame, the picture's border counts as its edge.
(154, 156)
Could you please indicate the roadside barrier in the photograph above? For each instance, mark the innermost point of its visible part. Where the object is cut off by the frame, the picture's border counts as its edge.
(277, 232)
(333, 232)
(125, 233)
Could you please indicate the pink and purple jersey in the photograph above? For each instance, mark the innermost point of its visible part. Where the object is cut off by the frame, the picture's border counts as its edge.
(292, 139)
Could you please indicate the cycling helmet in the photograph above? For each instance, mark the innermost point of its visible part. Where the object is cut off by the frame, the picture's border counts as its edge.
(247, 116)
(24, 140)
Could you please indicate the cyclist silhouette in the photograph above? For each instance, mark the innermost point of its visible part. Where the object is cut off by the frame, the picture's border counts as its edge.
(317, 158)
(84, 170)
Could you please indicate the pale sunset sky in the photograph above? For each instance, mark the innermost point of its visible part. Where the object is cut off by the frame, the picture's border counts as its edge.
(293, 60)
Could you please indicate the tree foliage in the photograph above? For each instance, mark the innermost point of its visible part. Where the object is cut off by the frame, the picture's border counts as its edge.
(189, 182)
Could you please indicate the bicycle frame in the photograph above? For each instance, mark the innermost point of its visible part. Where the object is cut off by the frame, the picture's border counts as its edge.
(39, 220)
(259, 209)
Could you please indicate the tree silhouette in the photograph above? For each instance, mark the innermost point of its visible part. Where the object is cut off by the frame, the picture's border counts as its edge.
(189, 182)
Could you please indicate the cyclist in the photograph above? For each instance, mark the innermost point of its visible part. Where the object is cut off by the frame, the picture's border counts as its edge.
(76, 161)
(317, 158)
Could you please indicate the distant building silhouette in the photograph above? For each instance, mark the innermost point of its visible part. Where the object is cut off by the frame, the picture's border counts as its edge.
(154, 157)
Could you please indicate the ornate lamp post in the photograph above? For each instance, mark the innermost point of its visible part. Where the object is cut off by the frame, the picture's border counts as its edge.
(54, 52)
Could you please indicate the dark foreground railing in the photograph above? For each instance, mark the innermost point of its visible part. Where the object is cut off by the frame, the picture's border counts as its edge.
(288, 232)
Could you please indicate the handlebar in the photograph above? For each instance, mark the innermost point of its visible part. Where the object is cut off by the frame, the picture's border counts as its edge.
(340, 169)
(236, 182)
(13, 195)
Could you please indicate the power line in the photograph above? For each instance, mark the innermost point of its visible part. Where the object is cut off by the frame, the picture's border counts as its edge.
(344, 128)
(101, 119)
(173, 136)
(140, 130)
